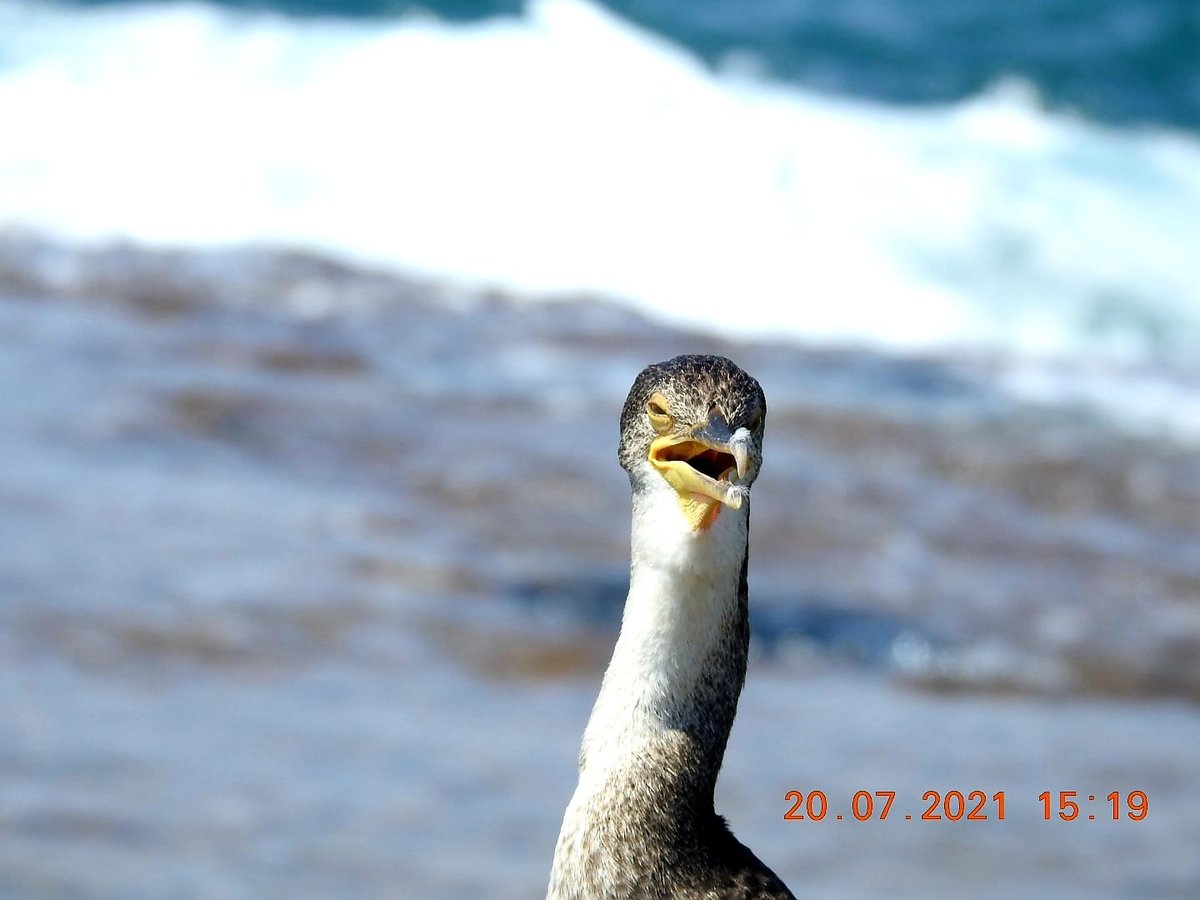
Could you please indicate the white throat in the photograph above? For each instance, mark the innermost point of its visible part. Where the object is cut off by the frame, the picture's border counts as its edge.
(683, 591)
(654, 743)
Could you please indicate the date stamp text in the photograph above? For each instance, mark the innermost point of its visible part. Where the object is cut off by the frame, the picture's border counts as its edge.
(968, 806)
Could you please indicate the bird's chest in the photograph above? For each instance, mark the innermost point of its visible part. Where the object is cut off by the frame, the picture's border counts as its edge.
(631, 831)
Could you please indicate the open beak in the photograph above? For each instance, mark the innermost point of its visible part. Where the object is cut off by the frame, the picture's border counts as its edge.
(705, 468)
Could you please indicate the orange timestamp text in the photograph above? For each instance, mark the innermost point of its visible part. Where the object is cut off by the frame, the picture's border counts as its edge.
(968, 806)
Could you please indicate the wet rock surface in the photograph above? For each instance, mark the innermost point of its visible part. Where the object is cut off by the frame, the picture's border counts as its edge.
(273, 497)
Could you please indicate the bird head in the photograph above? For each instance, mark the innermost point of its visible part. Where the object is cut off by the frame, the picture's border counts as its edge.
(694, 425)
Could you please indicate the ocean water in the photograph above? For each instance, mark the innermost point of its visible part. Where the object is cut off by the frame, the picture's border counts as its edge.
(1114, 60)
(703, 171)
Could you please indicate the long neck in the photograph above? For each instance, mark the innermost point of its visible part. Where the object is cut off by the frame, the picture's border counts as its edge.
(670, 693)
(642, 815)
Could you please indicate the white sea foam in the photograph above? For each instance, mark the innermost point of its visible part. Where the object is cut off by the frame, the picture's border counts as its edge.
(567, 150)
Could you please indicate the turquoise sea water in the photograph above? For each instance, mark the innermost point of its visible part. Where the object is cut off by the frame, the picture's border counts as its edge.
(1113, 60)
(792, 179)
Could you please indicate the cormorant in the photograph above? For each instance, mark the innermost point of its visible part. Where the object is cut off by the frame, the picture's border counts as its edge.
(641, 823)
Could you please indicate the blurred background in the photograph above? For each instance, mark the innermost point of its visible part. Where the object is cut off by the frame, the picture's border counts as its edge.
(315, 323)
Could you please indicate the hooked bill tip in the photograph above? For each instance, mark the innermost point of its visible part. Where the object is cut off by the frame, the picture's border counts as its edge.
(741, 453)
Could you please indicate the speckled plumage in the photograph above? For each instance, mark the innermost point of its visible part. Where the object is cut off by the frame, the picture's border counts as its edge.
(641, 823)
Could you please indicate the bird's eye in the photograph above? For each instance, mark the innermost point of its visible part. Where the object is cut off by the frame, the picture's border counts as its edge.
(656, 410)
